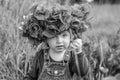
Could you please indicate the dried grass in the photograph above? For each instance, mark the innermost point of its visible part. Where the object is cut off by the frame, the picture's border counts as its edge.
(14, 50)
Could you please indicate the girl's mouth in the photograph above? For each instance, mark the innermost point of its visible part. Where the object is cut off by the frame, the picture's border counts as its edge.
(60, 47)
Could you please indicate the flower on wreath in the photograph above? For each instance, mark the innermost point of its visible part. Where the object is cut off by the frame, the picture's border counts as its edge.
(48, 21)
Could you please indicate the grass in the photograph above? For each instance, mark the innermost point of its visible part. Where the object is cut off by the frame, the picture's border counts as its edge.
(105, 23)
(105, 18)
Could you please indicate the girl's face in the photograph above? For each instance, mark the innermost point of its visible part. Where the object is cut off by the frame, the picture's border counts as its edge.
(60, 42)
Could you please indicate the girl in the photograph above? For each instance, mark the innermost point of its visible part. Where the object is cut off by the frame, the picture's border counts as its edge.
(58, 27)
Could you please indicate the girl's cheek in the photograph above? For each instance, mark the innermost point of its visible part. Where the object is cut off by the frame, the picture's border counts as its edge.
(67, 43)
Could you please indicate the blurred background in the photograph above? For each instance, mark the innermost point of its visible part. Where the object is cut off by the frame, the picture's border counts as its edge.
(101, 40)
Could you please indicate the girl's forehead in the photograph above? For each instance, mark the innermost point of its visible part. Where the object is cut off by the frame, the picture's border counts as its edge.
(61, 33)
(64, 32)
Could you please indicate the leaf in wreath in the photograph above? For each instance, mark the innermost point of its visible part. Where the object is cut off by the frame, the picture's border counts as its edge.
(65, 17)
(34, 30)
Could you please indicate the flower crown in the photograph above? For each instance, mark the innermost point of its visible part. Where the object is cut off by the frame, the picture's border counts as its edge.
(48, 21)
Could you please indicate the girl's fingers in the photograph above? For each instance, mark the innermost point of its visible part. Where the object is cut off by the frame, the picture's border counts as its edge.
(78, 41)
(74, 45)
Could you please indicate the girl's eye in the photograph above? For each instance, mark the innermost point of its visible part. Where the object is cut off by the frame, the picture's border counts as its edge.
(64, 35)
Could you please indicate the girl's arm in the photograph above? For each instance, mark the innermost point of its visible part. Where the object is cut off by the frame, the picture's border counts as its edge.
(32, 73)
(82, 62)
(35, 68)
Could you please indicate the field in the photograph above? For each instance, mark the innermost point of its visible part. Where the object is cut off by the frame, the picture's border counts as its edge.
(102, 39)
(105, 17)
(104, 35)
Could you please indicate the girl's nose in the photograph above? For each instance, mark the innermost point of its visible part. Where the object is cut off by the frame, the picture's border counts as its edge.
(59, 39)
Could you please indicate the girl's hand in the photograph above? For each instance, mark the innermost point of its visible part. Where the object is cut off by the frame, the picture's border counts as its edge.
(76, 45)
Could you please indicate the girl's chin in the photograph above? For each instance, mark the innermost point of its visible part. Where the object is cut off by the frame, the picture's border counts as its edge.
(59, 50)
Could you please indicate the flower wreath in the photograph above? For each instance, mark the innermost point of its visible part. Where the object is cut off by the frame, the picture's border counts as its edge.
(48, 21)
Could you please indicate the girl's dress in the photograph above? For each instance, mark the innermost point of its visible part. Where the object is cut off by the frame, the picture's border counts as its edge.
(45, 68)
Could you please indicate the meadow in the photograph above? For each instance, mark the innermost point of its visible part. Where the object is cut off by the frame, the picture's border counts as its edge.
(15, 51)
(105, 17)
(104, 37)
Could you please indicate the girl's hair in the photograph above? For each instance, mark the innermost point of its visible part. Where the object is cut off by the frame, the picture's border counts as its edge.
(46, 20)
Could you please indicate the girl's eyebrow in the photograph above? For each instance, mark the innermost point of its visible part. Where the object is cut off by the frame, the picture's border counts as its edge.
(64, 32)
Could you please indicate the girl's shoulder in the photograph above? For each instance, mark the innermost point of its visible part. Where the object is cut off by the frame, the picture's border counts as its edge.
(39, 55)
